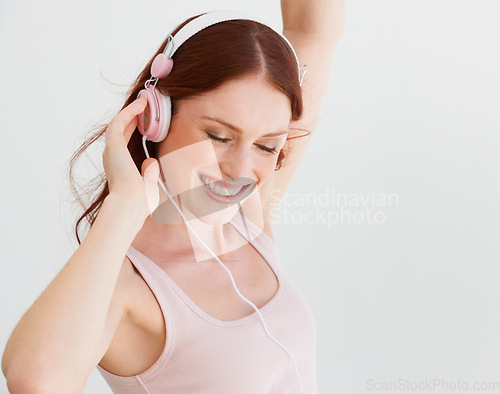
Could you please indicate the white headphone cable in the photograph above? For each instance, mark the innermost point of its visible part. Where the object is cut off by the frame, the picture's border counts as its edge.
(144, 138)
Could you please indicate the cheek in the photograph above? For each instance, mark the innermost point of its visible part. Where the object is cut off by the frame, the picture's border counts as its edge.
(270, 170)
(181, 165)
(178, 137)
(266, 166)
(206, 160)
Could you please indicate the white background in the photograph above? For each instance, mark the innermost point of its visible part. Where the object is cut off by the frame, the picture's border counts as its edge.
(412, 109)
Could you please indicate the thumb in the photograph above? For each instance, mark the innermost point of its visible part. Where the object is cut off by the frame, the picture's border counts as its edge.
(150, 170)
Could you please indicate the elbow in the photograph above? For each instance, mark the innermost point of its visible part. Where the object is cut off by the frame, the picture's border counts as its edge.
(36, 377)
(22, 380)
(37, 381)
(23, 386)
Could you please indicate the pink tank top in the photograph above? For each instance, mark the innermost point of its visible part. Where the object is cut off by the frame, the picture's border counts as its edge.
(206, 355)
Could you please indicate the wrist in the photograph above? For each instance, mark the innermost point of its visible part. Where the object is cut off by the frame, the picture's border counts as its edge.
(126, 212)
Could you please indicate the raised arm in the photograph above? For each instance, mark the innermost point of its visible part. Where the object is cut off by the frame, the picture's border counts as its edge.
(314, 17)
(313, 27)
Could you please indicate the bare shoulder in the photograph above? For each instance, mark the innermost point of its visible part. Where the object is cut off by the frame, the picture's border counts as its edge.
(135, 326)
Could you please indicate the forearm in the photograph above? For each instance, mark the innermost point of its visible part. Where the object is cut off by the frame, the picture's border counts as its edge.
(58, 337)
(314, 17)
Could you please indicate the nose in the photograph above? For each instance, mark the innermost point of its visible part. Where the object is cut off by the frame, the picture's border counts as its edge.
(237, 163)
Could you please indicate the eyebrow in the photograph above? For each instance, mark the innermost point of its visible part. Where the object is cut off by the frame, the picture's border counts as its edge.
(238, 130)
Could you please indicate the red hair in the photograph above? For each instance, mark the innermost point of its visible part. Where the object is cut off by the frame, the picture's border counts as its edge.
(224, 51)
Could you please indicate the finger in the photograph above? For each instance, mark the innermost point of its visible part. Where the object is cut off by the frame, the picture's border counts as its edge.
(129, 130)
(127, 114)
(119, 124)
(150, 169)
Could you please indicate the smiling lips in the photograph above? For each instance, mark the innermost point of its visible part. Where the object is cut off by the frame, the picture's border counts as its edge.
(224, 191)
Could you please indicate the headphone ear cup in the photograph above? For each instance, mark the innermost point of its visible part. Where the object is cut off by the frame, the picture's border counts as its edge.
(150, 123)
(166, 104)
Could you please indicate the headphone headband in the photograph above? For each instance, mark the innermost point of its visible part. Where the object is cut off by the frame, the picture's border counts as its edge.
(212, 18)
(156, 123)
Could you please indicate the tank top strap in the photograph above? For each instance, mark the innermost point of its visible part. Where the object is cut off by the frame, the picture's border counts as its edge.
(175, 300)
(152, 277)
(200, 349)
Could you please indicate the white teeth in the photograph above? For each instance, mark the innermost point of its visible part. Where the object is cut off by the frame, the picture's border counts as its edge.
(221, 191)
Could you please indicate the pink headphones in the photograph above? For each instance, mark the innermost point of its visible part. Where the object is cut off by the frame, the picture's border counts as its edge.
(154, 124)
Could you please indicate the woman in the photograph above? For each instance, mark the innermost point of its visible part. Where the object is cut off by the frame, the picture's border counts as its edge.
(147, 303)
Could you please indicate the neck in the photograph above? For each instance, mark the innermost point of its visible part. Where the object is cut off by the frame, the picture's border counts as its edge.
(166, 237)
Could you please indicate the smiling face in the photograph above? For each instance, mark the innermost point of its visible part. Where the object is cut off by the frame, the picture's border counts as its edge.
(224, 144)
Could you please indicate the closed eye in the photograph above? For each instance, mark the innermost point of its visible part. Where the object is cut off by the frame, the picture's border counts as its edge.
(226, 140)
(223, 140)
